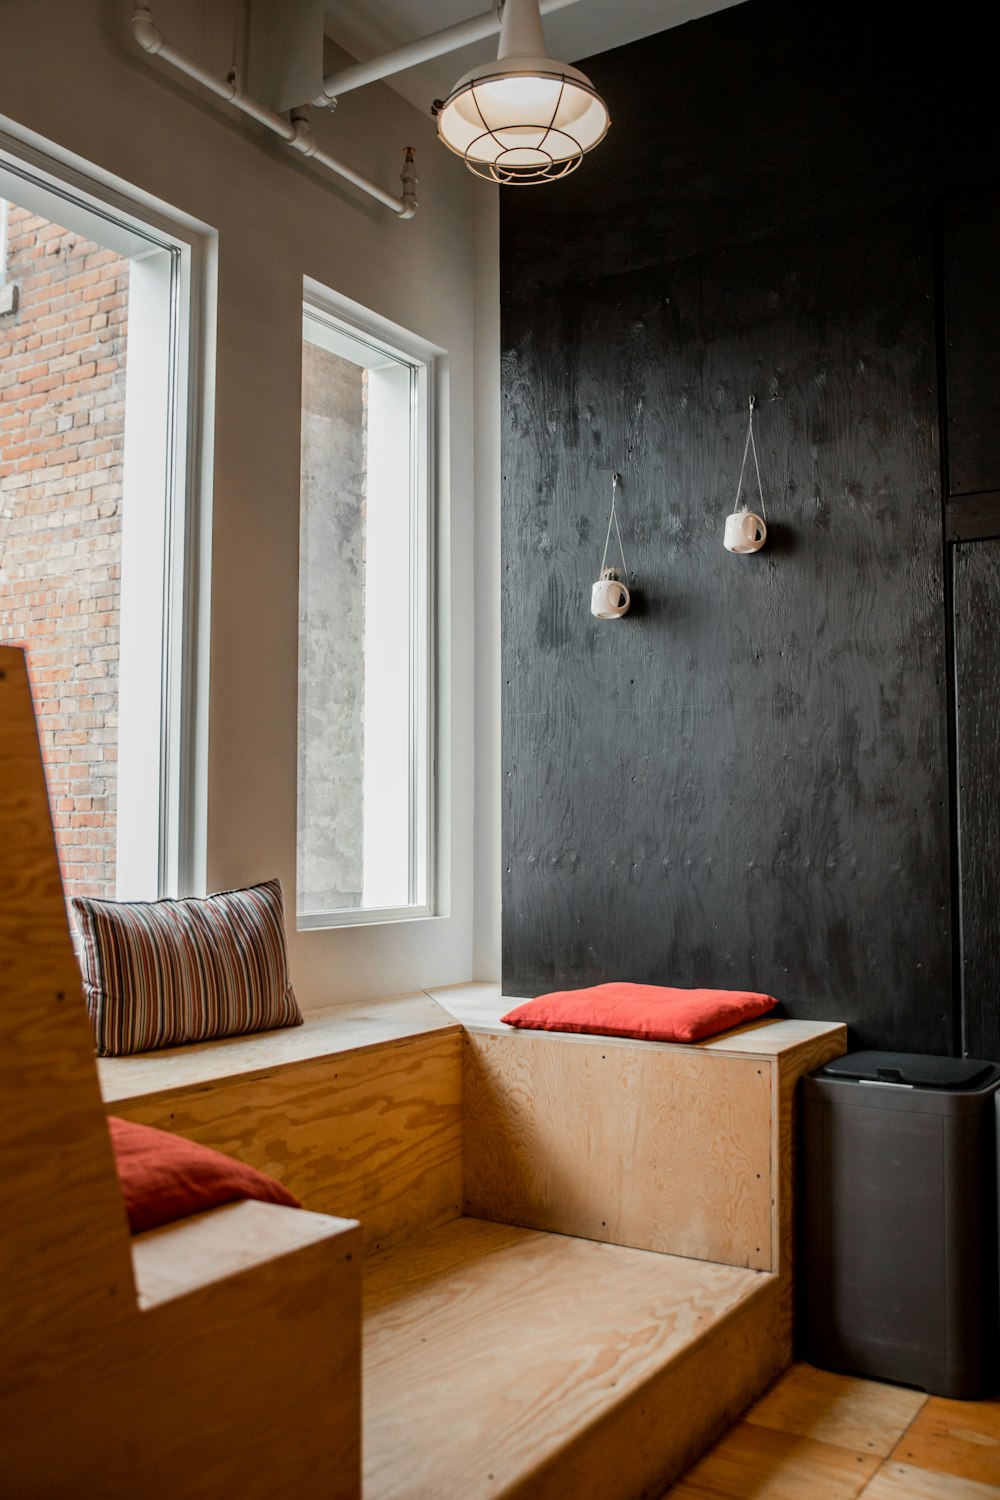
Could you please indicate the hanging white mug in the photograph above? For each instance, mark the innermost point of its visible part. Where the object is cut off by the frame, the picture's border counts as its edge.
(745, 532)
(609, 599)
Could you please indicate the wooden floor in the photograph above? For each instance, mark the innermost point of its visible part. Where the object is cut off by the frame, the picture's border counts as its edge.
(510, 1362)
(817, 1436)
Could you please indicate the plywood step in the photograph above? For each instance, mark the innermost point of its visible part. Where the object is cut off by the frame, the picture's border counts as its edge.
(206, 1248)
(504, 1362)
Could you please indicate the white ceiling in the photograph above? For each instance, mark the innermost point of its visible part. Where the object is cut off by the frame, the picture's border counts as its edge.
(580, 30)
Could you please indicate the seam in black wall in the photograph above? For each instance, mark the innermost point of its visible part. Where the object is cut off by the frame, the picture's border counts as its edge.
(958, 1037)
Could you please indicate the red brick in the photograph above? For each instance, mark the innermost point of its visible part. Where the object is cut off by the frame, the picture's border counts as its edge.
(62, 502)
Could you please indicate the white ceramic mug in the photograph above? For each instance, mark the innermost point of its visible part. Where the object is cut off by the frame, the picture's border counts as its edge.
(745, 532)
(609, 599)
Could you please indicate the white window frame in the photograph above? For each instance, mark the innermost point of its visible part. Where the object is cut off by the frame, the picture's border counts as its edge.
(8, 294)
(323, 308)
(163, 788)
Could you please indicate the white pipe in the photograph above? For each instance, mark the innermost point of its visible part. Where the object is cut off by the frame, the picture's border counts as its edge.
(302, 139)
(521, 33)
(436, 45)
(296, 133)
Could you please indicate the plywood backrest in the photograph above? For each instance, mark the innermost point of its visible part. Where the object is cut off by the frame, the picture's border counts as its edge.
(685, 1150)
(660, 1148)
(64, 1247)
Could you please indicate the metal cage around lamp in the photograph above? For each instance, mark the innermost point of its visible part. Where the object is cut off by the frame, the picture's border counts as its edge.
(524, 119)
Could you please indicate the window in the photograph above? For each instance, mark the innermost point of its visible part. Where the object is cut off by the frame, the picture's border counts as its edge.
(365, 713)
(8, 290)
(96, 520)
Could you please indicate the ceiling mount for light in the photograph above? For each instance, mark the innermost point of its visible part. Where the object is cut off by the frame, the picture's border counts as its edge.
(524, 119)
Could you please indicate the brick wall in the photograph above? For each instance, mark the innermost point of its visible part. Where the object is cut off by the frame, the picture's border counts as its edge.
(62, 417)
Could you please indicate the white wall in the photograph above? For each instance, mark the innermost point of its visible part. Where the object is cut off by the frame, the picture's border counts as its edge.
(488, 848)
(71, 73)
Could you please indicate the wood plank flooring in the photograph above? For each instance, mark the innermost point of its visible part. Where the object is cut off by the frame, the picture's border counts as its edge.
(818, 1436)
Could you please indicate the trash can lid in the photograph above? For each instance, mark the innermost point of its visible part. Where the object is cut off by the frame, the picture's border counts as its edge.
(913, 1068)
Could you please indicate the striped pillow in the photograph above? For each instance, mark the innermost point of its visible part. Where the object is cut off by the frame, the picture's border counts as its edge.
(156, 973)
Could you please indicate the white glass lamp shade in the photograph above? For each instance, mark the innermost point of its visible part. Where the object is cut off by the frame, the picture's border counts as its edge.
(523, 119)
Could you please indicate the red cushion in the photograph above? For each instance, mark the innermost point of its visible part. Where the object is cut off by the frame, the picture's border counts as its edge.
(165, 1177)
(648, 1012)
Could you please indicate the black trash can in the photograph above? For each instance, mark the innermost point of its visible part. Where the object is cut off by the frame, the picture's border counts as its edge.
(897, 1256)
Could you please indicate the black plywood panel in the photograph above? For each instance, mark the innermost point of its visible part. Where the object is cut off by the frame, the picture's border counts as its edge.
(744, 782)
(977, 652)
(971, 242)
(976, 516)
(759, 118)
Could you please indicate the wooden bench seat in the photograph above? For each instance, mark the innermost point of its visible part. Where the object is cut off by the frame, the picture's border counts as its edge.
(441, 1128)
(337, 1032)
(393, 1113)
(216, 1357)
(502, 1362)
(358, 1112)
(586, 1242)
(208, 1247)
(579, 1249)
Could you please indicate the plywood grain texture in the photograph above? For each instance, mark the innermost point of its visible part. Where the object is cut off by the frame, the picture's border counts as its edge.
(501, 1362)
(744, 782)
(238, 1336)
(346, 1028)
(246, 1386)
(661, 1149)
(64, 1261)
(977, 657)
(251, 1386)
(195, 1252)
(778, 1038)
(374, 1134)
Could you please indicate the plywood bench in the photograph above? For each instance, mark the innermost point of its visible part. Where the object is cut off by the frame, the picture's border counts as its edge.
(644, 1298)
(179, 1363)
(579, 1264)
(358, 1112)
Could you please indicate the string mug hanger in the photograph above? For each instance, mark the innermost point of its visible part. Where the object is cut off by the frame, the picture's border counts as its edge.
(745, 530)
(610, 596)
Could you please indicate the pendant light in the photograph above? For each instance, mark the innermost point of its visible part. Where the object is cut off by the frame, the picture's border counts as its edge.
(524, 118)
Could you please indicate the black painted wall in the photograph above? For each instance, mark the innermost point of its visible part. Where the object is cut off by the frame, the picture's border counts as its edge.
(746, 781)
(971, 322)
(977, 642)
